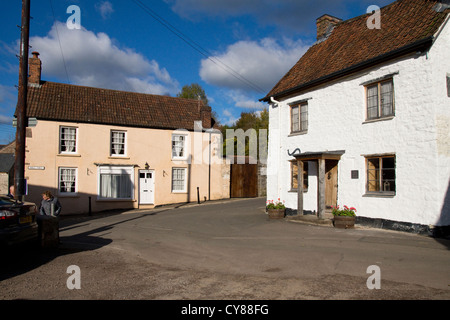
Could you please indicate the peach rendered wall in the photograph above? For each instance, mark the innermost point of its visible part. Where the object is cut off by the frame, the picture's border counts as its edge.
(151, 146)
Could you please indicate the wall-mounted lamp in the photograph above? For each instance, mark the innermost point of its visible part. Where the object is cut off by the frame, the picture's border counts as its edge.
(147, 166)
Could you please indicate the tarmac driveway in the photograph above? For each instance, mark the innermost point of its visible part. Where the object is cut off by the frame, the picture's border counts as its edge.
(226, 250)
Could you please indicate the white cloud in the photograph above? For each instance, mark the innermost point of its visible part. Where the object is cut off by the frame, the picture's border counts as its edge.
(95, 60)
(262, 63)
(105, 8)
(228, 118)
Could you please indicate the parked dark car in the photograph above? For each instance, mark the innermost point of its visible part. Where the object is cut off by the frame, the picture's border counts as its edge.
(17, 221)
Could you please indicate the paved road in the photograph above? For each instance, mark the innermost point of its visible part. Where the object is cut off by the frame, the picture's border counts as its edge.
(226, 250)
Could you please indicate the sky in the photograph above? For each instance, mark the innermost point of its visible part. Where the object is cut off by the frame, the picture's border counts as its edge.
(236, 50)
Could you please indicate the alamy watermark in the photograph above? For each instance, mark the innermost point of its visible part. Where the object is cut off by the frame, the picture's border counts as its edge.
(74, 280)
(374, 281)
(374, 21)
(74, 21)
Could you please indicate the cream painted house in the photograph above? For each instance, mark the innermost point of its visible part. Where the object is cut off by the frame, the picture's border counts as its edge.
(99, 149)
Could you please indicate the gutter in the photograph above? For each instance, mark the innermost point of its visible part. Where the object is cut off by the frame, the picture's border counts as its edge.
(420, 45)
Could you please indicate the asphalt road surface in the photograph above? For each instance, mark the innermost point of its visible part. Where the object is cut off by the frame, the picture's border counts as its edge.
(225, 250)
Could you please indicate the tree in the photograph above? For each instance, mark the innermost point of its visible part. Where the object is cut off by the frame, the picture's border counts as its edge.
(193, 91)
(248, 120)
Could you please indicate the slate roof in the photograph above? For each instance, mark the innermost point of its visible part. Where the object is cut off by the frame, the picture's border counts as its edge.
(406, 26)
(72, 103)
(6, 162)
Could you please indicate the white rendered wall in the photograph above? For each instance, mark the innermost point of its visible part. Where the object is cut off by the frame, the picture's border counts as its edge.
(418, 135)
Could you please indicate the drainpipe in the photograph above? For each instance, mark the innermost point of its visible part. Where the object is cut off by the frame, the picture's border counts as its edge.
(278, 103)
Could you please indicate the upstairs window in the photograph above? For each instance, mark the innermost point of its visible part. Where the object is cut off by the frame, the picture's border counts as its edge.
(179, 146)
(68, 140)
(380, 99)
(299, 118)
(118, 143)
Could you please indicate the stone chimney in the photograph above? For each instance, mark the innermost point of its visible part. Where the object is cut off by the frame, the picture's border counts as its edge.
(205, 115)
(35, 66)
(325, 25)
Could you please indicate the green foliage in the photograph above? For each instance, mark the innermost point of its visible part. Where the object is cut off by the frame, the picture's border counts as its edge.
(270, 204)
(346, 212)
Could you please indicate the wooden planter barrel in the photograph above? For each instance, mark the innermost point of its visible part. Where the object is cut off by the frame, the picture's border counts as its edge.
(344, 222)
(276, 213)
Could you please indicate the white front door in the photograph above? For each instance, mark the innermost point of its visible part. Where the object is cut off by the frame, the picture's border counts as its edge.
(146, 187)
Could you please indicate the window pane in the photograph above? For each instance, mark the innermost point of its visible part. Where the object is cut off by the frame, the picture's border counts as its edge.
(387, 99)
(294, 176)
(372, 102)
(304, 117)
(68, 139)
(178, 143)
(294, 119)
(117, 143)
(115, 186)
(388, 175)
(67, 180)
(373, 174)
(178, 175)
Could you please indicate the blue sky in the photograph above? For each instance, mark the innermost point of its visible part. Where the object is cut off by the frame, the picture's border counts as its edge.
(237, 50)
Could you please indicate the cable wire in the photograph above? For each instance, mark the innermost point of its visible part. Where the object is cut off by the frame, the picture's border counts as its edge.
(59, 41)
(197, 47)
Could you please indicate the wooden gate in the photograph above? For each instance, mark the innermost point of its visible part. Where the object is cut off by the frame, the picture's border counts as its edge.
(244, 181)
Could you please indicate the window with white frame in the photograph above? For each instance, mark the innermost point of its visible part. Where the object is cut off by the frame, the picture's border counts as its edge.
(68, 140)
(67, 181)
(179, 146)
(179, 179)
(116, 182)
(380, 99)
(299, 118)
(118, 143)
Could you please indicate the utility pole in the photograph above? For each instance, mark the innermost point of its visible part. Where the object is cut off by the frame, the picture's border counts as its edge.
(21, 111)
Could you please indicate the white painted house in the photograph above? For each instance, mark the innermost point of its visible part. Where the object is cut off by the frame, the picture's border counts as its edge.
(365, 116)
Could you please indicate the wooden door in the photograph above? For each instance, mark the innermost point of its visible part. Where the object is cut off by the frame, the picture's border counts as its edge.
(331, 183)
(244, 181)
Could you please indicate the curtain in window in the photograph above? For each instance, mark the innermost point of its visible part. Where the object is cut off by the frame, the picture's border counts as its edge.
(115, 186)
(118, 142)
(387, 102)
(68, 138)
(67, 180)
(177, 146)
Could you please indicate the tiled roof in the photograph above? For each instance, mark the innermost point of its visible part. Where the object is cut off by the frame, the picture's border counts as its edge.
(405, 26)
(6, 162)
(72, 103)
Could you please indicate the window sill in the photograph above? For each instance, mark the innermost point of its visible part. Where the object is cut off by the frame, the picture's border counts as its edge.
(179, 192)
(76, 155)
(379, 119)
(380, 195)
(119, 157)
(71, 195)
(296, 191)
(298, 133)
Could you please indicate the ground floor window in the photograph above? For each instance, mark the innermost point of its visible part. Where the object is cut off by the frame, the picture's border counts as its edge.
(116, 182)
(380, 174)
(67, 181)
(179, 179)
(294, 175)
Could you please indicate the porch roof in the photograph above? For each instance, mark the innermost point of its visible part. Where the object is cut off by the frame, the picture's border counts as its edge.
(326, 155)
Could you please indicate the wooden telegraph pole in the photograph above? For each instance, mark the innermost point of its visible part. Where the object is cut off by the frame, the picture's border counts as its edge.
(21, 111)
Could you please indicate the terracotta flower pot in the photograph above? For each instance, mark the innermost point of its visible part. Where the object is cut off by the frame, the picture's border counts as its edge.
(344, 222)
(276, 213)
